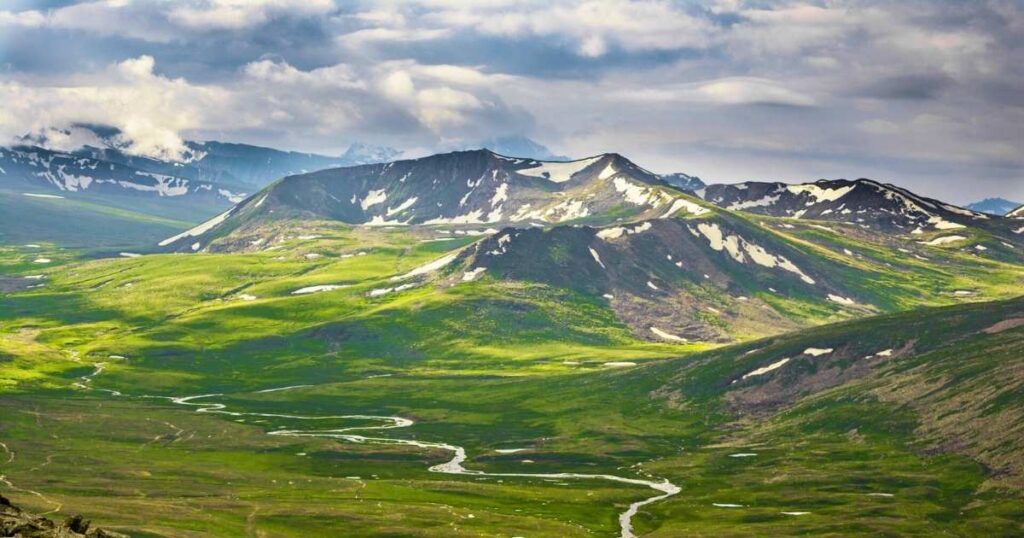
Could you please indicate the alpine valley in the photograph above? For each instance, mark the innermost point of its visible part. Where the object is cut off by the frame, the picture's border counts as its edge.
(250, 342)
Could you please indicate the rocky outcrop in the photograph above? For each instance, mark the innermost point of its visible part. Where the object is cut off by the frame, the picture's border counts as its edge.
(16, 522)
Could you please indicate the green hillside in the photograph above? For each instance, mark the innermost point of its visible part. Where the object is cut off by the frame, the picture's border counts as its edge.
(526, 375)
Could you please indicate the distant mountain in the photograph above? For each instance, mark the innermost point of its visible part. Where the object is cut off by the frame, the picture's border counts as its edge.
(466, 187)
(683, 181)
(44, 172)
(236, 167)
(518, 146)
(240, 165)
(866, 203)
(103, 184)
(993, 206)
(358, 153)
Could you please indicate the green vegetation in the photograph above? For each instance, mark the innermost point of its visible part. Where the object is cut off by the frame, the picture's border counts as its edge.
(924, 440)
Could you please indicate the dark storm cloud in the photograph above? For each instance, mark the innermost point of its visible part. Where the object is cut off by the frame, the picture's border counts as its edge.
(920, 87)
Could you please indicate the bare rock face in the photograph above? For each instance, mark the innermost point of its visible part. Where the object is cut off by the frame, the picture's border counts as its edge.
(15, 522)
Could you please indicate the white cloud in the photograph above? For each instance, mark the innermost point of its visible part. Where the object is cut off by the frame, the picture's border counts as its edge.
(151, 110)
(593, 26)
(29, 18)
(422, 103)
(723, 91)
(751, 90)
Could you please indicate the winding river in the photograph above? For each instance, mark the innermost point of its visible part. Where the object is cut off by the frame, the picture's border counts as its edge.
(453, 466)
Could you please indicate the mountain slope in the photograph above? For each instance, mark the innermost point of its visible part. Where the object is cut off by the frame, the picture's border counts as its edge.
(864, 202)
(460, 188)
(683, 181)
(242, 166)
(957, 368)
(669, 268)
(85, 222)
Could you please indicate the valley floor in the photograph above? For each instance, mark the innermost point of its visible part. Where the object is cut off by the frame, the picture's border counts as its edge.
(845, 443)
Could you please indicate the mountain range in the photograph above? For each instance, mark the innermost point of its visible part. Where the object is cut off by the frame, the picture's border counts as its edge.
(673, 264)
(535, 347)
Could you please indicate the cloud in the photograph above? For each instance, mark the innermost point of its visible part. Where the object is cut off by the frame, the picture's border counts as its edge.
(592, 27)
(29, 18)
(423, 105)
(164, 20)
(729, 91)
(236, 14)
(921, 91)
(750, 90)
(149, 109)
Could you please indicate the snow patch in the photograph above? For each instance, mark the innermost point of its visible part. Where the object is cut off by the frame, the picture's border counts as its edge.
(618, 231)
(760, 202)
(429, 267)
(667, 336)
(943, 240)
(373, 198)
(402, 206)
(470, 276)
(198, 230)
(765, 369)
(315, 289)
(841, 300)
(820, 194)
(682, 203)
(558, 172)
(510, 450)
(500, 195)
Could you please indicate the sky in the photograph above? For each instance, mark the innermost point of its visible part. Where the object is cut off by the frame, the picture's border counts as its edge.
(925, 94)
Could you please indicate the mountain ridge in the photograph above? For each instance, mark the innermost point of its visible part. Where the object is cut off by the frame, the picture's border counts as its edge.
(993, 206)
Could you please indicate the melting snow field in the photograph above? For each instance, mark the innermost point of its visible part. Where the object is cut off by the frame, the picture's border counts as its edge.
(765, 369)
(429, 267)
(557, 172)
(315, 289)
(817, 351)
(883, 353)
(667, 336)
(946, 239)
(470, 276)
(841, 300)
(198, 230)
